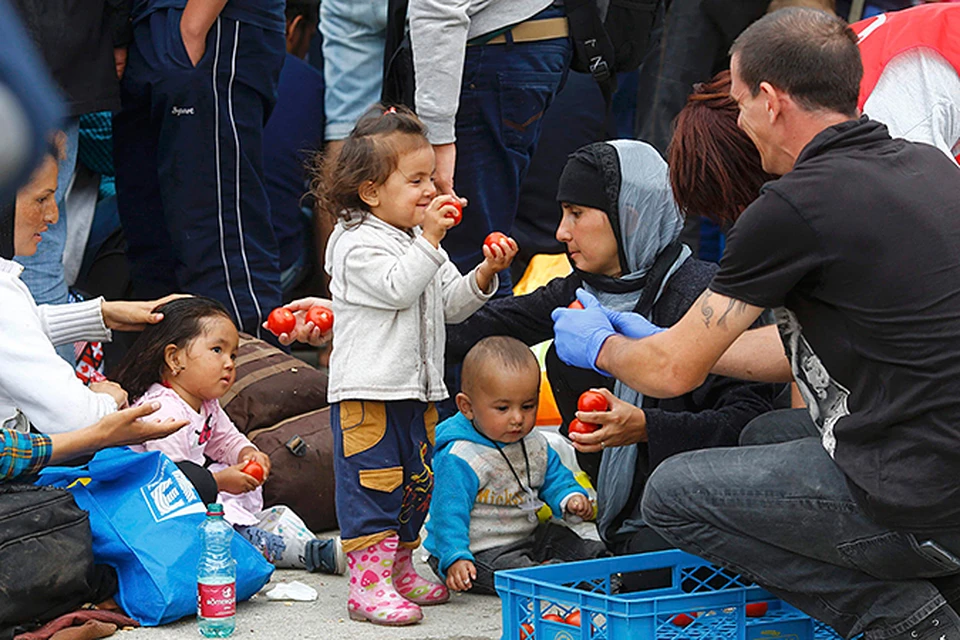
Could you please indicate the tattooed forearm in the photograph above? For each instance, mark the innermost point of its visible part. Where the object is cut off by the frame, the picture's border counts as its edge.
(737, 306)
(708, 312)
(705, 308)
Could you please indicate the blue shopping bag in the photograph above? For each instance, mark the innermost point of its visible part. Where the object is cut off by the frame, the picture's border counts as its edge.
(145, 515)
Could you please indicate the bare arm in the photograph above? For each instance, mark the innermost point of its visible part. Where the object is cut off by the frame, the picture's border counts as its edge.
(756, 355)
(678, 360)
(198, 17)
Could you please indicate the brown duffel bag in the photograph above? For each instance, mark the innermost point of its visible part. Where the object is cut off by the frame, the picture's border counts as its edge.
(271, 386)
(301, 467)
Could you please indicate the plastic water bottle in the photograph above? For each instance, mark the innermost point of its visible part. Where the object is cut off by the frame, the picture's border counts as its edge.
(216, 577)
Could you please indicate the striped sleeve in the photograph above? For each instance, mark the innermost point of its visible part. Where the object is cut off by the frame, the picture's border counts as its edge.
(22, 454)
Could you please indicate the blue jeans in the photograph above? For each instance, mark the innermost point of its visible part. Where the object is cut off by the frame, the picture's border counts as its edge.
(783, 515)
(353, 39)
(506, 90)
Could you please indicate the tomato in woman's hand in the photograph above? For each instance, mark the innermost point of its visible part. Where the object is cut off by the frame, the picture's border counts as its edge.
(592, 401)
(494, 239)
(576, 304)
(583, 428)
(254, 469)
(458, 216)
(321, 317)
(281, 320)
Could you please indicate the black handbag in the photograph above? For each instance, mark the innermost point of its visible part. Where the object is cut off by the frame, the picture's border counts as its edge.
(46, 558)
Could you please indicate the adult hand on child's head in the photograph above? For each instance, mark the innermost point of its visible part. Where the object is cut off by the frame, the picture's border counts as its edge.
(438, 218)
(252, 453)
(305, 331)
(460, 575)
(113, 390)
(579, 505)
(127, 315)
(621, 425)
(234, 480)
(132, 426)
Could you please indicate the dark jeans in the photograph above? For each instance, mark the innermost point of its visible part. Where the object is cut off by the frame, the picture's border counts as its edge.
(550, 543)
(506, 90)
(782, 514)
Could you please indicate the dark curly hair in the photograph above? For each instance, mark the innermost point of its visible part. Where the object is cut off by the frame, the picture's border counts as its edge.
(184, 320)
(369, 154)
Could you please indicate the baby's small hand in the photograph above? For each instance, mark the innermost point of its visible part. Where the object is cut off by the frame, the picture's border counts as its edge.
(579, 505)
(233, 480)
(460, 575)
(438, 218)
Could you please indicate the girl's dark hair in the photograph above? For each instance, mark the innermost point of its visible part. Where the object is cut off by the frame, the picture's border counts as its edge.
(183, 321)
(370, 153)
(715, 169)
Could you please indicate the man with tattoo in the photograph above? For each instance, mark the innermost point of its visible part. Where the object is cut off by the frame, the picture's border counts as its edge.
(856, 248)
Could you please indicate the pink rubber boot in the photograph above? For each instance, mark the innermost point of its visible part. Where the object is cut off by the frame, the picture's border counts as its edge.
(412, 586)
(372, 594)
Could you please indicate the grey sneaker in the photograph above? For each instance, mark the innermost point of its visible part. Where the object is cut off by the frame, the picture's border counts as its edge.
(325, 556)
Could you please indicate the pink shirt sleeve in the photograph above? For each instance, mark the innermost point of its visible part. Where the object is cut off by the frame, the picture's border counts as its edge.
(178, 446)
(226, 441)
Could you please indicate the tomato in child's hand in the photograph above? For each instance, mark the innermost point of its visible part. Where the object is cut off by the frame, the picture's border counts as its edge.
(281, 320)
(321, 317)
(576, 304)
(254, 470)
(526, 631)
(756, 609)
(458, 216)
(592, 401)
(552, 617)
(494, 238)
(573, 618)
(583, 428)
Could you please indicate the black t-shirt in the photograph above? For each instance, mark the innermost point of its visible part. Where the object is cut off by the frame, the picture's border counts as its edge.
(858, 251)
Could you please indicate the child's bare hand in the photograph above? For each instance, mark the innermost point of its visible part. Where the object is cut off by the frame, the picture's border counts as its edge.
(252, 453)
(460, 575)
(496, 257)
(233, 480)
(438, 218)
(579, 505)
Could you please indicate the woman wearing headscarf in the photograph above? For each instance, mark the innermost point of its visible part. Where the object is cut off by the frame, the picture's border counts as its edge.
(37, 387)
(621, 228)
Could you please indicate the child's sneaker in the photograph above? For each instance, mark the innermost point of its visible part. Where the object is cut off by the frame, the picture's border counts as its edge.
(412, 586)
(325, 556)
(270, 545)
(372, 594)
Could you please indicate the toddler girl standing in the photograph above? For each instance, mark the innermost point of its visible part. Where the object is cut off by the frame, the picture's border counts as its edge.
(393, 289)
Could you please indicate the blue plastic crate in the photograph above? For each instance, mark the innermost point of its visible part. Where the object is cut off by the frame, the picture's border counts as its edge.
(712, 600)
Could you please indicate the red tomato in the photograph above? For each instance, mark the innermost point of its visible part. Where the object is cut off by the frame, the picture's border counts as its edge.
(254, 469)
(573, 618)
(552, 617)
(321, 317)
(682, 619)
(526, 631)
(281, 320)
(576, 304)
(494, 238)
(592, 401)
(756, 609)
(581, 427)
(458, 216)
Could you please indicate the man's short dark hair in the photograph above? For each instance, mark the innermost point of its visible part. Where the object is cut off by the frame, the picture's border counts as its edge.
(809, 54)
(309, 9)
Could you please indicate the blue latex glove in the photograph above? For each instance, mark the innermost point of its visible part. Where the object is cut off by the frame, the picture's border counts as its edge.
(631, 325)
(579, 334)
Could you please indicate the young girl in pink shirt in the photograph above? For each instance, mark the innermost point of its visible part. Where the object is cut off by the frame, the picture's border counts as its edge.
(187, 363)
